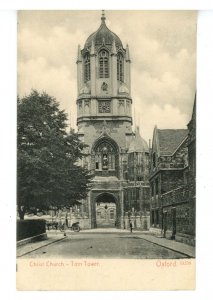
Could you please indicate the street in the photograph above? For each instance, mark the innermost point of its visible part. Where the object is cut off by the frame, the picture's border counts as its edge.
(94, 244)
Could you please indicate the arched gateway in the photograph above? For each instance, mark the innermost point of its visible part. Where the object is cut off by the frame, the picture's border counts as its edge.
(106, 210)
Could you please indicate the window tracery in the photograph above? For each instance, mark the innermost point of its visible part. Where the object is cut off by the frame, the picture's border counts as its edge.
(105, 157)
(87, 67)
(103, 64)
(120, 67)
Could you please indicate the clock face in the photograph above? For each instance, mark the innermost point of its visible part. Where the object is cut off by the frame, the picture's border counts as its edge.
(104, 106)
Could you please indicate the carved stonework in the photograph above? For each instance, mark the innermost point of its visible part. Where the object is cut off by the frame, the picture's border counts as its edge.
(80, 105)
(86, 106)
(104, 86)
(128, 106)
(121, 102)
(104, 106)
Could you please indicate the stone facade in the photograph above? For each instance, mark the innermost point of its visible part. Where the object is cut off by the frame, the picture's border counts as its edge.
(168, 162)
(104, 119)
(172, 181)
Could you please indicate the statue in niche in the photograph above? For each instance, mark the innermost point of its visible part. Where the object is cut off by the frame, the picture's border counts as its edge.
(105, 158)
(104, 86)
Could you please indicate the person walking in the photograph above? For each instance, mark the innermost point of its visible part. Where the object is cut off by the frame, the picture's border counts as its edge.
(130, 226)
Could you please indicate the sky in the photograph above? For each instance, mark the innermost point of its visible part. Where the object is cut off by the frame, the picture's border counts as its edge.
(162, 48)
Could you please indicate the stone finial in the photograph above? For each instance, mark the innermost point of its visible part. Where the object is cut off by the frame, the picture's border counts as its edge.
(103, 18)
(79, 56)
(127, 53)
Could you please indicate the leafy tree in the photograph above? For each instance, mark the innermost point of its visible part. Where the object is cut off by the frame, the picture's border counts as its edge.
(47, 168)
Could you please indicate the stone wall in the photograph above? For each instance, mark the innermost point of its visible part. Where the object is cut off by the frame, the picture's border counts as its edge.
(170, 180)
(138, 222)
(183, 201)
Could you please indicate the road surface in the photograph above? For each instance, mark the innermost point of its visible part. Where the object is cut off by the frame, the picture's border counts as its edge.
(104, 245)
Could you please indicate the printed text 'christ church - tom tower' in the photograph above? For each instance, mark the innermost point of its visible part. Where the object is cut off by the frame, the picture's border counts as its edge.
(117, 156)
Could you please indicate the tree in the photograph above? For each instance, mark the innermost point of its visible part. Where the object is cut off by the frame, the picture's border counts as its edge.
(47, 169)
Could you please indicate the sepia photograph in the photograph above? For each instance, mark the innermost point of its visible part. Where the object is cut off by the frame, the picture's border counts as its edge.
(106, 149)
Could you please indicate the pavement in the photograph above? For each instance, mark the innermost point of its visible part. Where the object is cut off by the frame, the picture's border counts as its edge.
(170, 244)
(55, 236)
(52, 237)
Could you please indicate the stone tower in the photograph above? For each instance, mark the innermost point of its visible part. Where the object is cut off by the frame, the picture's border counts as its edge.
(104, 120)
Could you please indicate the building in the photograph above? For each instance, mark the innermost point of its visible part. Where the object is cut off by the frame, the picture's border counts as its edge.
(117, 156)
(168, 162)
(136, 193)
(172, 182)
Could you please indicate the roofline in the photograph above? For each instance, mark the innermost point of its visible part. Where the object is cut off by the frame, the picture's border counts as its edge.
(180, 144)
(165, 169)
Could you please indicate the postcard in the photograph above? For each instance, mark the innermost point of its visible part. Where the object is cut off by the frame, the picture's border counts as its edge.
(106, 150)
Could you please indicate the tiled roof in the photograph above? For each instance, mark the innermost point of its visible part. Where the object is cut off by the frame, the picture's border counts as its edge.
(170, 139)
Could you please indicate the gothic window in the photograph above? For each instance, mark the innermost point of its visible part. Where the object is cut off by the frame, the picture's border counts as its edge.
(87, 67)
(104, 64)
(120, 67)
(98, 165)
(105, 157)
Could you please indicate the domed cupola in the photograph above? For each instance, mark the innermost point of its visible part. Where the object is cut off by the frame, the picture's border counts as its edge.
(103, 36)
(138, 144)
(104, 83)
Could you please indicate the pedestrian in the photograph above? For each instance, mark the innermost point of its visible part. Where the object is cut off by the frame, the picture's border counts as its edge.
(130, 226)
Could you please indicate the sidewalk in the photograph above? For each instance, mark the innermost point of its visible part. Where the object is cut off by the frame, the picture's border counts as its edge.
(169, 244)
(53, 237)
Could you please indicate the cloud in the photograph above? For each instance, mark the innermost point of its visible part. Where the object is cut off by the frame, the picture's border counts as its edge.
(57, 82)
(166, 117)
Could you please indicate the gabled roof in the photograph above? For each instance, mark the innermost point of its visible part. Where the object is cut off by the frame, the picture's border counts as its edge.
(170, 139)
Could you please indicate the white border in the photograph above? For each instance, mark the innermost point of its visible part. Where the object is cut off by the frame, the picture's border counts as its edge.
(204, 156)
(109, 4)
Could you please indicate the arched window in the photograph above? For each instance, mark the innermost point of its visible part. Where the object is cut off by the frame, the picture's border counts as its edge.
(87, 67)
(104, 64)
(105, 158)
(120, 67)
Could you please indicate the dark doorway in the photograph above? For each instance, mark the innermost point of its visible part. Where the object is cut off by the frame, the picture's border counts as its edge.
(106, 213)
